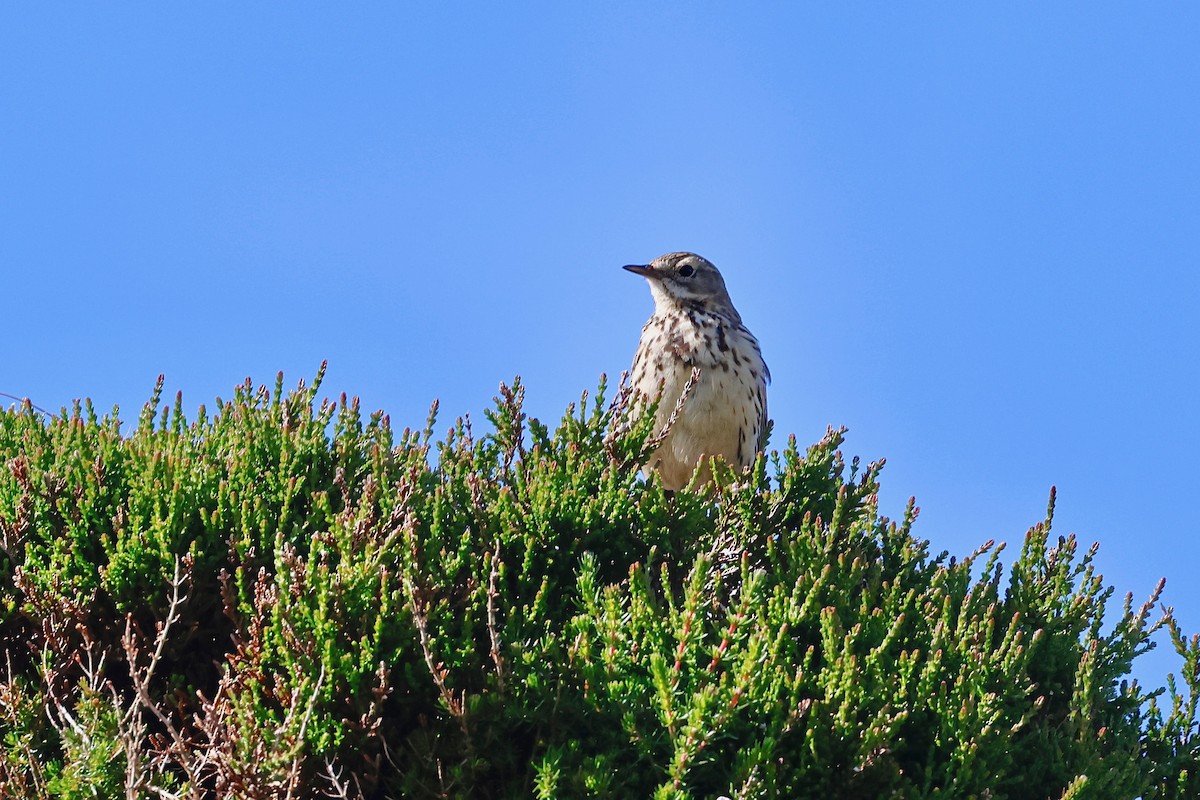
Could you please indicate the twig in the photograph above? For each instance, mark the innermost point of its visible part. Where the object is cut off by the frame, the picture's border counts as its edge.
(618, 411)
(143, 685)
(133, 729)
(339, 790)
(665, 431)
(297, 760)
(493, 625)
(455, 704)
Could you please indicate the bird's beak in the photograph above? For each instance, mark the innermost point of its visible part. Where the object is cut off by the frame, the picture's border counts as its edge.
(640, 269)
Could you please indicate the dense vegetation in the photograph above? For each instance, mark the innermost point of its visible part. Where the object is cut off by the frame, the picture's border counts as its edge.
(284, 599)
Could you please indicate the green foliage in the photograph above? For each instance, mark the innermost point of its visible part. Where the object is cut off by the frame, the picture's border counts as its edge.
(287, 599)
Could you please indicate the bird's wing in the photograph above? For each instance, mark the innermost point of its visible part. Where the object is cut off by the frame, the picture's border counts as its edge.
(764, 422)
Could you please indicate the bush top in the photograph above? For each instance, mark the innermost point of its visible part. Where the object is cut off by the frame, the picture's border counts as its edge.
(282, 598)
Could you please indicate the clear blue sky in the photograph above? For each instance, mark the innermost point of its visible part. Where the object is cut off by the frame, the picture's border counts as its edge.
(971, 234)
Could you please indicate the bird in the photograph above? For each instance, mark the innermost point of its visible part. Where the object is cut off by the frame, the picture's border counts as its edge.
(696, 335)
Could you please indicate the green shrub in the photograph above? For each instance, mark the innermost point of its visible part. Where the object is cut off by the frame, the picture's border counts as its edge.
(285, 599)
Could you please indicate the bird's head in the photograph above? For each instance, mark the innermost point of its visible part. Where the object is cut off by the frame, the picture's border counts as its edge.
(686, 279)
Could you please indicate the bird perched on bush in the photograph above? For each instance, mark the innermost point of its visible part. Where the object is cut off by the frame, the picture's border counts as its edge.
(696, 336)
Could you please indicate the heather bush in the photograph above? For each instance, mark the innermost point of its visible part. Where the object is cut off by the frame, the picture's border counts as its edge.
(285, 598)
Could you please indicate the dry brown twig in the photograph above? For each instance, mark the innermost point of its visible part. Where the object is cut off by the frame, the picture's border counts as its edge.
(626, 402)
(657, 439)
(493, 622)
(192, 760)
(298, 747)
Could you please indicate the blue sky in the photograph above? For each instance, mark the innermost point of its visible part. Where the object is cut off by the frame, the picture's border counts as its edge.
(967, 232)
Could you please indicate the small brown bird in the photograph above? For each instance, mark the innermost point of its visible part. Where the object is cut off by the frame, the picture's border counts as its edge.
(695, 325)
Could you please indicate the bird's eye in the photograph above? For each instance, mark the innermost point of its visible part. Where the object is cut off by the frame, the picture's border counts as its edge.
(686, 271)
